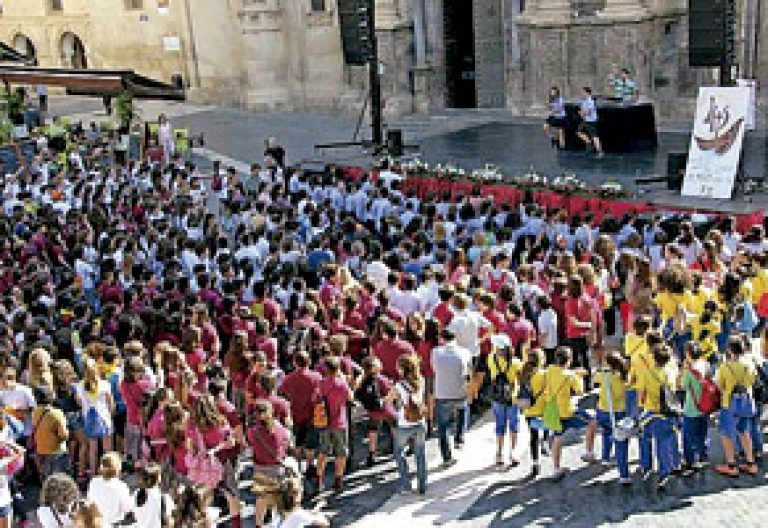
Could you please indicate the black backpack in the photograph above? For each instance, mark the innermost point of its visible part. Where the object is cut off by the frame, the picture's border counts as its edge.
(501, 390)
(368, 394)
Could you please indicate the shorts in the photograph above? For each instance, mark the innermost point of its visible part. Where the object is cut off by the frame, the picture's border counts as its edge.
(75, 421)
(556, 122)
(578, 421)
(333, 442)
(588, 129)
(305, 436)
(507, 417)
(731, 426)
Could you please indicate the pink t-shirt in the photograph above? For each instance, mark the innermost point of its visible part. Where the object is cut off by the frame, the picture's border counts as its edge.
(336, 392)
(269, 447)
(133, 395)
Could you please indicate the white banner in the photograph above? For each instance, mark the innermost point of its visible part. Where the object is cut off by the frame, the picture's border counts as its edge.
(716, 142)
(752, 109)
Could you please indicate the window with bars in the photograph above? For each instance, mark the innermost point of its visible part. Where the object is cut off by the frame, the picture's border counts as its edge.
(317, 6)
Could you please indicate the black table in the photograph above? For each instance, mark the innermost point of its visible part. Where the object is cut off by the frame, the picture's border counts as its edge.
(622, 127)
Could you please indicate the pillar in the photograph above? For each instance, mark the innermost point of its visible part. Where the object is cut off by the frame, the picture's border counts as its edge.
(419, 32)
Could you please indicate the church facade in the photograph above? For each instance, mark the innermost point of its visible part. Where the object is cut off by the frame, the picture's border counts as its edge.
(434, 54)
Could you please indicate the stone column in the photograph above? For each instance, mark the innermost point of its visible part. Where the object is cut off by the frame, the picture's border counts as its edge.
(419, 32)
(623, 10)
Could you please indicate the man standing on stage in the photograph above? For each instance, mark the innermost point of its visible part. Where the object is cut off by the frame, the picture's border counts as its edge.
(588, 126)
(624, 87)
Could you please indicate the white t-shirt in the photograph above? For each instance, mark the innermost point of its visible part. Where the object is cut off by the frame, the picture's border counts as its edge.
(113, 498)
(99, 401)
(19, 397)
(48, 519)
(148, 514)
(548, 328)
(404, 397)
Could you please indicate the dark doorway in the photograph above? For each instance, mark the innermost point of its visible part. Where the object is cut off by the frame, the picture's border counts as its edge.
(458, 22)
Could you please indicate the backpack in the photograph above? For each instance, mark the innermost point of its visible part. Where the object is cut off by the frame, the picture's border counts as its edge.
(368, 394)
(415, 410)
(501, 389)
(709, 401)
(320, 413)
(742, 405)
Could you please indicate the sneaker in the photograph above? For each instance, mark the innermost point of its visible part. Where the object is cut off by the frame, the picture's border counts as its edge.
(536, 469)
(546, 448)
(625, 481)
(458, 445)
(559, 473)
(371, 460)
(513, 462)
(750, 469)
(499, 459)
(727, 470)
(448, 463)
(589, 458)
(608, 463)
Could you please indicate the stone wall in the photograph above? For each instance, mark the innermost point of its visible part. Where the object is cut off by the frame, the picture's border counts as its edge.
(490, 60)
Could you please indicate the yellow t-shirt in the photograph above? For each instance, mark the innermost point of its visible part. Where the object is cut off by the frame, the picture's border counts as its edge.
(730, 374)
(668, 303)
(708, 343)
(558, 383)
(638, 364)
(759, 285)
(618, 393)
(497, 363)
(698, 300)
(650, 384)
(537, 386)
(634, 344)
(46, 427)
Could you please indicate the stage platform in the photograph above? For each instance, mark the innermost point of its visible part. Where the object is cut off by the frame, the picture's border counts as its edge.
(738, 205)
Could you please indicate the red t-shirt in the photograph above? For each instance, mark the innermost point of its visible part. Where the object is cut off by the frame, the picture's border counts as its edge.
(133, 394)
(336, 394)
(581, 310)
(424, 350)
(443, 313)
(281, 408)
(299, 387)
(389, 351)
(269, 447)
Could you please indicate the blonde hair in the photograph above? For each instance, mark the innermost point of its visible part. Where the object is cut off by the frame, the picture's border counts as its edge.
(110, 465)
(39, 368)
(87, 515)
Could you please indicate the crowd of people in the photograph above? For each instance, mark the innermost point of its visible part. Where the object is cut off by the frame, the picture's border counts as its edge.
(160, 326)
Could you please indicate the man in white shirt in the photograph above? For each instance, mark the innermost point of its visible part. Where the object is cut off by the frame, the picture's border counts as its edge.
(428, 293)
(547, 327)
(466, 325)
(376, 271)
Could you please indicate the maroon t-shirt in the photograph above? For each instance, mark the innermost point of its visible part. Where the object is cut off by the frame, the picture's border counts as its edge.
(269, 447)
(336, 394)
(299, 387)
(389, 352)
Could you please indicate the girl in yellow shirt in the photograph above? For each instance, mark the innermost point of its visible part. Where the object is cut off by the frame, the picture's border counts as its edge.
(530, 381)
(610, 409)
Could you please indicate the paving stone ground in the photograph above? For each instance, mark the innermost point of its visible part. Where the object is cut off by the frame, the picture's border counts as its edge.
(473, 493)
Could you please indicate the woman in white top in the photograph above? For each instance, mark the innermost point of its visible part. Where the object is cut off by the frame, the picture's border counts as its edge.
(95, 395)
(57, 497)
(292, 515)
(108, 492)
(411, 423)
(165, 137)
(152, 508)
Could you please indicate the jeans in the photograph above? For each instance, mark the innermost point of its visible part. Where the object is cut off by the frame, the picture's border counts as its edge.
(631, 403)
(695, 438)
(659, 429)
(401, 437)
(507, 418)
(55, 463)
(447, 411)
(622, 448)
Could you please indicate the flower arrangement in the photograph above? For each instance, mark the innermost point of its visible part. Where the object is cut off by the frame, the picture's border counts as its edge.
(612, 189)
(568, 183)
(489, 173)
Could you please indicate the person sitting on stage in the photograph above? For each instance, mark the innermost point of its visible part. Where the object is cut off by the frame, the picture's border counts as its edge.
(588, 126)
(555, 124)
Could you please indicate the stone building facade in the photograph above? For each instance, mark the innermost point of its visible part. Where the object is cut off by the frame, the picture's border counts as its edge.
(435, 54)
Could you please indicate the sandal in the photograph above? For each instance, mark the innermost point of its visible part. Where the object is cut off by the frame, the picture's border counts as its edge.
(727, 470)
(751, 469)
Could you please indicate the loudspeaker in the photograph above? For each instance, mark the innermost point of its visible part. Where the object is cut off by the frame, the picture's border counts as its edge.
(353, 20)
(395, 142)
(706, 32)
(177, 81)
(676, 163)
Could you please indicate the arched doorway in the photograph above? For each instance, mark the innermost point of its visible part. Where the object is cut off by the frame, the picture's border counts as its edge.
(73, 52)
(24, 45)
